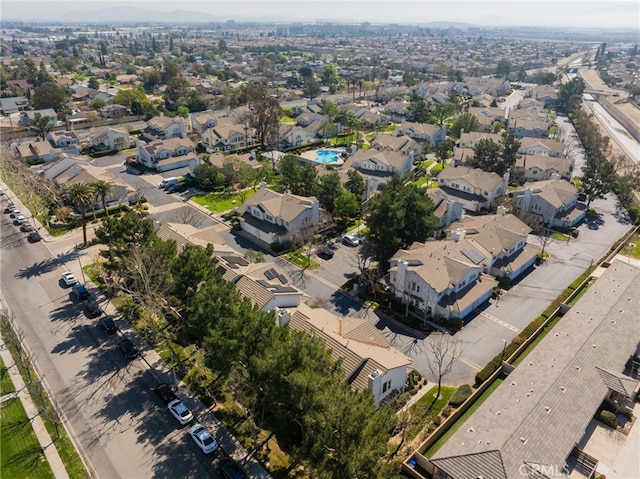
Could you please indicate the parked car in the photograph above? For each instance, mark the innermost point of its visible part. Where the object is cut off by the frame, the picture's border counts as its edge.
(79, 291)
(108, 324)
(128, 349)
(325, 251)
(69, 278)
(203, 438)
(34, 237)
(13, 212)
(177, 188)
(25, 228)
(93, 308)
(168, 182)
(180, 412)
(165, 393)
(228, 469)
(20, 220)
(350, 240)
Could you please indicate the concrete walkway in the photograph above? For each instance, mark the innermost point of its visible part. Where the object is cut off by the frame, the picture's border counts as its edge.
(421, 392)
(48, 446)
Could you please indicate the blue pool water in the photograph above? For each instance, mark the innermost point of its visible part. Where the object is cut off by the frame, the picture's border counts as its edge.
(328, 156)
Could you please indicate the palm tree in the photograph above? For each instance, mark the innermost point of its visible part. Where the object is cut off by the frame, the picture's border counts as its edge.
(81, 195)
(103, 189)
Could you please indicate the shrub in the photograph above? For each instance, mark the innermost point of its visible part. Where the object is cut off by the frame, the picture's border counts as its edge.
(446, 412)
(437, 420)
(608, 418)
(461, 395)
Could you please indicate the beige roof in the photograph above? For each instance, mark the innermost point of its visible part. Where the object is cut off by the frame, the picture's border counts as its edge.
(495, 233)
(359, 359)
(527, 143)
(40, 148)
(393, 159)
(185, 233)
(420, 128)
(544, 163)
(558, 193)
(393, 143)
(88, 173)
(280, 205)
(162, 122)
(542, 409)
(471, 138)
(474, 176)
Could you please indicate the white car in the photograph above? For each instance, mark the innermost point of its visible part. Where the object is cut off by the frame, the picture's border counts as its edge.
(180, 412)
(20, 220)
(203, 438)
(69, 278)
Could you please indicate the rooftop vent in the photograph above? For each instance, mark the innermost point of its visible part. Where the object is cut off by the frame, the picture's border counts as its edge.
(523, 440)
(563, 389)
(578, 368)
(548, 409)
(471, 429)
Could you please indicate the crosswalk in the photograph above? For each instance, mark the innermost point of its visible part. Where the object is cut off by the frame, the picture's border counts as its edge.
(497, 320)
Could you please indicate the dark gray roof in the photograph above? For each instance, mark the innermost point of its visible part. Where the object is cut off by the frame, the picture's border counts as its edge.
(544, 406)
(618, 382)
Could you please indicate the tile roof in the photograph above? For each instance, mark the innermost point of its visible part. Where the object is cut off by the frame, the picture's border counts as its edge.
(541, 410)
(473, 176)
(285, 206)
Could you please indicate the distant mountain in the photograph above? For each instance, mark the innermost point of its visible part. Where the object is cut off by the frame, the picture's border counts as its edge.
(448, 25)
(138, 15)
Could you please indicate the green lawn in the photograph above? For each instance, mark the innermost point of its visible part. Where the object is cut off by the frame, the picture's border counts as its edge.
(419, 409)
(560, 236)
(6, 385)
(296, 257)
(220, 202)
(630, 250)
(435, 171)
(287, 120)
(20, 452)
(445, 437)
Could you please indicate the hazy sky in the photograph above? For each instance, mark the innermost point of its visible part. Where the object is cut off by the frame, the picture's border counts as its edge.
(550, 13)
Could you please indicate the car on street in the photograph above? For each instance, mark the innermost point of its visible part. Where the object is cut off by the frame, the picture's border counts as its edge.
(108, 324)
(25, 228)
(69, 278)
(34, 237)
(228, 469)
(128, 349)
(13, 212)
(79, 291)
(20, 220)
(178, 188)
(350, 240)
(165, 393)
(203, 438)
(93, 308)
(180, 412)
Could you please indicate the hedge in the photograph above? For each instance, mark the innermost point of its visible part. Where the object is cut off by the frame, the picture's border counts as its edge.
(608, 418)
(100, 154)
(461, 395)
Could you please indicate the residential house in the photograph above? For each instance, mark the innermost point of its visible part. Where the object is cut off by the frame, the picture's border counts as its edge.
(541, 146)
(533, 423)
(431, 134)
(540, 167)
(440, 278)
(552, 202)
(502, 239)
(13, 104)
(278, 217)
(488, 116)
(401, 144)
(529, 128)
(69, 171)
(305, 119)
(27, 116)
(294, 136)
(225, 136)
(371, 119)
(61, 139)
(201, 121)
(184, 234)
(164, 127)
(106, 139)
(545, 94)
(165, 155)
(113, 111)
(381, 163)
(469, 139)
(36, 152)
(446, 208)
(462, 155)
(368, 361)
(475, 189)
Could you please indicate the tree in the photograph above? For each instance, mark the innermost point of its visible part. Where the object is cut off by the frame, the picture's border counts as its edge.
(346, 205)
(41, 125)
(82, 196)
(598, 178)
(48, 95)
(504, 68)
(305, 72)
(442, 111)
(128, 97)
(487, 156)
(510, 146)
(265, 119)
(444, 351)
(418, 111)
(151, 79)
(170, 71)
(400, 215)
(176, 89)
(570, 95)
(330, 75)
(444, 149)
(355, 184)
(93, 83)
(311, 88)
(329, 191)
(103, 189)
(466, 122)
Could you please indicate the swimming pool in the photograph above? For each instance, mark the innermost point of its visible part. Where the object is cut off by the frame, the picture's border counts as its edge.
(328, 156)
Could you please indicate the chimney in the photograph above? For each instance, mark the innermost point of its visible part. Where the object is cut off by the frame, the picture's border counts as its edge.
(282, 317)
(75, 171)
(501, 210)
(458, 234)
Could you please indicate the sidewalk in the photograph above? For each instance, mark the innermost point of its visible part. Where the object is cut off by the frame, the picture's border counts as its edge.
(424, 390)
(48, 447)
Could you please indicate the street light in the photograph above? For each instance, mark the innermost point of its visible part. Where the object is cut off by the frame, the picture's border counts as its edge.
(504, 350)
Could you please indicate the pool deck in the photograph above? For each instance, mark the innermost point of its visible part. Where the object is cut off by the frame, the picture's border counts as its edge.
(311, 156)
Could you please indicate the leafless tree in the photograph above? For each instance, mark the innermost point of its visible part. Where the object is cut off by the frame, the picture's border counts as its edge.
(187, 216)
(443, 353)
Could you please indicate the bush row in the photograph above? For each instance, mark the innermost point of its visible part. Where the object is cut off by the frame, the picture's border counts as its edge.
(461, 395)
